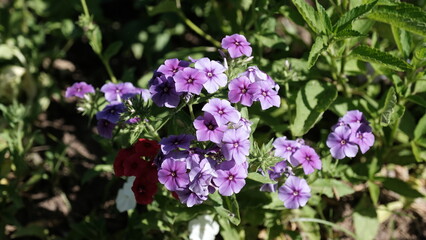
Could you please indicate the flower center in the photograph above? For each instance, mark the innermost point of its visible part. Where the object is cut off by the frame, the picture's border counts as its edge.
(343, 142)
(220, 111)
(308, 158)
(190, 80)
(264, 93)
(250, 69)
(78, 89)
(210, 127)
(173, 174)
(209, 74)
(243, 90)
(112, 111)
(174, 70)
(231, 177)
(117, 90)
(236, 145)
(296, 193)
(237, 43)
(165, 89)
(106, 123)
(141, 189)
(289, 148)
(359, 135)
(176, 143)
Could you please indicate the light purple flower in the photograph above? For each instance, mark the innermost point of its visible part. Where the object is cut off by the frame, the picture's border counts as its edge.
(236, 145)
(236, 45)
(105, 128)
(173, 174)
(111, 112)
(114, 92)
(190, 80)
(254, 74)
(231, 180)
(308, 158)
(79, 89)
(172, 66)
(208, 129)
(286, 148)
(201, 177)
(294, 193)
(279, 169)
(363, 137)
(173, 142)
(214, 72)
(354, 118)
(241, 90)
(267, 96)
(190, 198)
(340, 144)
(222, 111)
(164, 93)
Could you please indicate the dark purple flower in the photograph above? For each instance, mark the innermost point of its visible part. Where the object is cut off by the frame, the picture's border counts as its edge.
(114, 92)
(340, 144)
(267, 96)
(279, 169)
(164, 93)
(214, 72)
(286, 148)
(79, 89)
(208, 129)
(363, 137)
(222, 111)
(190, 198)
(111, 112)
(236, 145)
(173, 142)
(173, 174)
(236, 45)
(172, 66)
(190, 80)
(231, 180)
(308, 158)
(294, 193)
(105, 128)
(241, 90)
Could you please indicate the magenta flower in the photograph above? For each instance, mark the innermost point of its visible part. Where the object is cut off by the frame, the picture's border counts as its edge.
(79, 89)
(231, 180)
(286, 148)
(172, 66)
(222, 111)
(236, 45)
(294, 193)
(236, 145)
(114, 92)
(340, 144)
(363, 137)
(214, 72)
(164, 93)
(241, 90)
(308, 158)
(267, 96)
(173, 174)
(208, 129)
(190, 80)
(173, 142)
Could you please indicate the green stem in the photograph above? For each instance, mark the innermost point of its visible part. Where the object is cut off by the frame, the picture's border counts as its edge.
(191, 111)
(108, 68)
(85, 9)
(170, 116)
(154, 132)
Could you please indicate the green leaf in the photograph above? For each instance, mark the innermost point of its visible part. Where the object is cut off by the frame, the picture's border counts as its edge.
(317, 48)
(365, 220)
(259, 178)
(417, 100)
(95, 40)
(311, 102)
(389, 107)
(324, 222)
(402, 40)
(402, 15)
(323, 18)
(399, 85)
(354, 13)
(420, 129)
(226, 231)
(374, 192)
(400, 187)
(331, 188)
(348, 33)
(233, 211)
(368, 54)
(308, 13)
(30, 231)
(112, 50)
(163, 7)
(416, 151)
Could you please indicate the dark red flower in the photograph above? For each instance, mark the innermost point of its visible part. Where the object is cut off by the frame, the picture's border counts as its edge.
(144, 187)
(120, 159)
(135, 165)
(147, 148)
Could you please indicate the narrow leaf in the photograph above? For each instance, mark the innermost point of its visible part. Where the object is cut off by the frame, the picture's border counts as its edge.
(259, 178)
(368, 54)
(389, 107)
(402, 40)
(163, 7)
(112, 50)
(401, 187)
(348, 33)
(417, 100)
(317, 48)
(420, 129)
(365, 220)
(308, 13)
(374, 192)
(324, 19)
(354, 13)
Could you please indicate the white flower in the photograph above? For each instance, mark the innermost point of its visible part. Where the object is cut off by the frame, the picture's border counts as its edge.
(125, 198)
(203, 228)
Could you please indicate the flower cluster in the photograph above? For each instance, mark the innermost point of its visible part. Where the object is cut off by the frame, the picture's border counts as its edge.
(352, 131)
(138, 161)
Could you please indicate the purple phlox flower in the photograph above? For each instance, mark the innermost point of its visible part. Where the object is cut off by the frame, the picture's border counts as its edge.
(173, 174)
(308, 158)
(267, 187)
(176, 155)
(243, 123)
(279, 169)
(363, 137)
(164, 93)
(236, 45)
(114, 92)
(338, 124)
(111, 112)
(133, 120)
(201, 177)
(214, 154)
(294, 193)
(340, 144)
(254, 74)
(79, 89)
(236, 145)
(105, 128)
(172, 66)
(214, 72)
(267, 96)
(232, 180)
(208, 129)
(354, 118)
(173, 142)
(194, 157)
(222, 111)
(190, 80)
(241, 90)
(144, 93)
(190, 198)
(286, 148)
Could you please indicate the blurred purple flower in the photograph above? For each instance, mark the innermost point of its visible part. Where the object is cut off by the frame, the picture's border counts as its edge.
(363, 137)
(208, 129)
(172, 66)
(173, 174)
(279, 169)
(267, 96)
(354, 118)
(236, 145)
(222, 111)
(236, 45)
(294, 193)
(173, 142)
(201, 177)
(340, 144)
(114, 92)
(231, 180)
(111, 112)
(105, 128)
(286, 148)
(214, 72)
(164, 93)
(79, 89)
(190, 198)
(190, 80)
(308, 158)
(241, 90)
